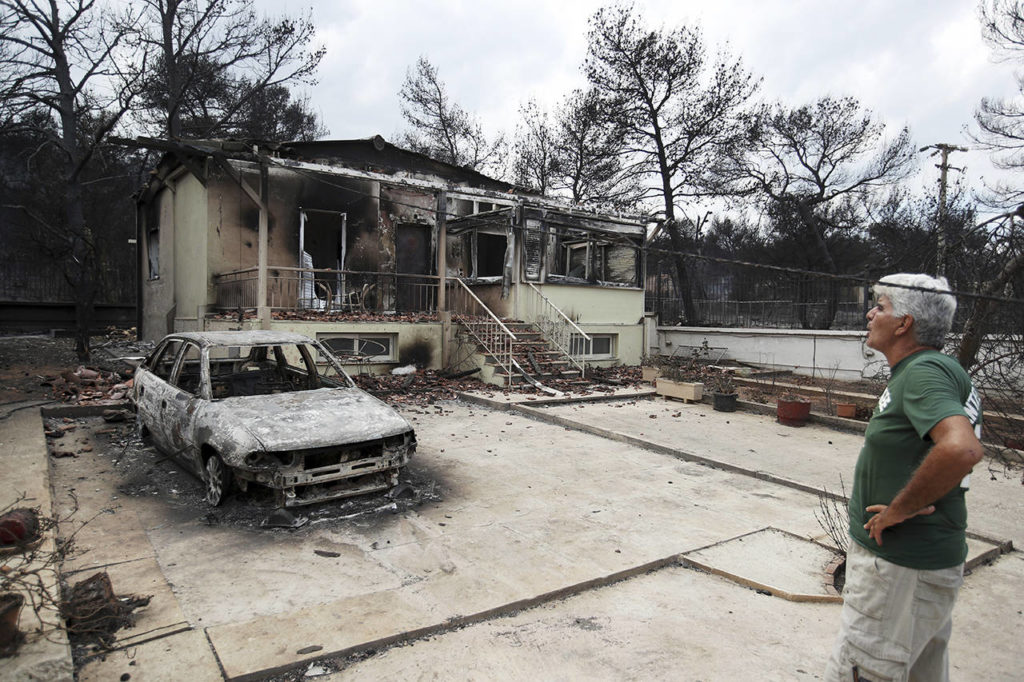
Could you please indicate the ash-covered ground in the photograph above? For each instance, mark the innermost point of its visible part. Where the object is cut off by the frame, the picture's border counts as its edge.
(144, 471)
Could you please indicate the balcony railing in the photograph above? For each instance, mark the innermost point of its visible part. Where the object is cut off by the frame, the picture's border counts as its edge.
(328, 291)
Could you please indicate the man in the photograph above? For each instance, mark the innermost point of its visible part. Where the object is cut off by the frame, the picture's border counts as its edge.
(907, 511)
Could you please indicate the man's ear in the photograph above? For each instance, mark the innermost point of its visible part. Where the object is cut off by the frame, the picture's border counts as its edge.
(906, 324)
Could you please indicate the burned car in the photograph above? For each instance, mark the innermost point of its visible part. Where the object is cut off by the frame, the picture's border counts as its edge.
(268, 408)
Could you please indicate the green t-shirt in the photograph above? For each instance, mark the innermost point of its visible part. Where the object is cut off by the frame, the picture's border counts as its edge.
(924, 389)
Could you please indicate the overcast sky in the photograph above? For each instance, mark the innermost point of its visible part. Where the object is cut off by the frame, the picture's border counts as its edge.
(920, 63)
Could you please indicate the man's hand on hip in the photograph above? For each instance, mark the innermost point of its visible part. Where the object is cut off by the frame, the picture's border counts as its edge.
(886, 517)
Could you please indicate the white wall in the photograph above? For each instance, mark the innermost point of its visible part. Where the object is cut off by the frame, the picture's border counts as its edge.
(802, 351)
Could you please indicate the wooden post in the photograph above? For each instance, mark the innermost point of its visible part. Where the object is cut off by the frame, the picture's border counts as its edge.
(441, 221)
(263, 311)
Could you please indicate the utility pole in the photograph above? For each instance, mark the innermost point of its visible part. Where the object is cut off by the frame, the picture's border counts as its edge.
(940, 229)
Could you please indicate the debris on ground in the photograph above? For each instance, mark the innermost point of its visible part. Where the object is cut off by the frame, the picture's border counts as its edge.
(94, 613)
(91, 386)
(282, 518)
(422, 387)
(19, 527)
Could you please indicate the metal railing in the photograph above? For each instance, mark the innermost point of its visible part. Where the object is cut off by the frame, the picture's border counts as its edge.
(557, 328)
(328, 291)
(482, 324)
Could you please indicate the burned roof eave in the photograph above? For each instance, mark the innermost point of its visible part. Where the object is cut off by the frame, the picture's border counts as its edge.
(182, 154)
(591, 222)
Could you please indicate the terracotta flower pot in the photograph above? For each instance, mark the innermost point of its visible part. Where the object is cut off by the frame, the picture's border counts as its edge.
(793, 412)
(846, 410)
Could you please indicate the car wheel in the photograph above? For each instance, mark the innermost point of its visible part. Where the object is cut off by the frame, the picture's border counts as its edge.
(218, 480)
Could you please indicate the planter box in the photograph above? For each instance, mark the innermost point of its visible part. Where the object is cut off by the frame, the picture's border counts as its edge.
(793, 412)
(680, 390)
(649, 374)
(846, 410)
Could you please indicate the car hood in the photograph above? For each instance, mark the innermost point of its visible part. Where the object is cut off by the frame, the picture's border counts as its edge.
(312, 419)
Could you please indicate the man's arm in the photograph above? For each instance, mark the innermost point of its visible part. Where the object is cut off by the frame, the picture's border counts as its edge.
(955, 452)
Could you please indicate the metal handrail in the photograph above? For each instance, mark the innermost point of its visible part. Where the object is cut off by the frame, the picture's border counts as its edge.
(559, 331)
(485, 308)
(491, 334)
(559, 311)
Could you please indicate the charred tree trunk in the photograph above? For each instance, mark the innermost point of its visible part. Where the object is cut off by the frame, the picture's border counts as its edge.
(974, 328)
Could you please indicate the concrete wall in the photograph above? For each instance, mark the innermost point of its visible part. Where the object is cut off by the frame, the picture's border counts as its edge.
(807, 352)
(191, 271)
(157, 292)
(629, 344)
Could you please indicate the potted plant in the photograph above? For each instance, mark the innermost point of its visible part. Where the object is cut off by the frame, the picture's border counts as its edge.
(793, 410)
(650, 367)
(10, 609)
(724, 394)
(846, 410)
(680, 382)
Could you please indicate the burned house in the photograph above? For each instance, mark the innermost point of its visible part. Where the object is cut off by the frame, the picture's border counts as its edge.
(387, 256)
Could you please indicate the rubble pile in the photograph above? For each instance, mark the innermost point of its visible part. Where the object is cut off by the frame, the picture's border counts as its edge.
(91, 386)
(353, 316)
(333, 316)
(423, 387)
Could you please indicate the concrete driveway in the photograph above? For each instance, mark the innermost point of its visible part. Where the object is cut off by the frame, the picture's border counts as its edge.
(633, 539)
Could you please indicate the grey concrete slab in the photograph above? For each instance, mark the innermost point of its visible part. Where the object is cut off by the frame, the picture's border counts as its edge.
(813, 455)
(183, 655)
(684, 624)
(45, 654)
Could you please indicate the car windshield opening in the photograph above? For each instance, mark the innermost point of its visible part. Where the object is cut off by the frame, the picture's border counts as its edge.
(263, 370)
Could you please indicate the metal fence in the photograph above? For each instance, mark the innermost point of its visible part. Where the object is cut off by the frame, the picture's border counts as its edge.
(28, 279)
(727, 295)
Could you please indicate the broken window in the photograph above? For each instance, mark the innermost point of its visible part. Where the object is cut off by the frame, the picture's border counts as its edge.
(162, 363)
(483, 253)
(189, 370)
(490, 254)
(244, 370)
(584, 257)
(153, 239)
(360, 347)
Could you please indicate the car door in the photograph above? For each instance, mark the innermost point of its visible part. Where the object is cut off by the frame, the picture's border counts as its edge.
(153, 390)
(183, 401)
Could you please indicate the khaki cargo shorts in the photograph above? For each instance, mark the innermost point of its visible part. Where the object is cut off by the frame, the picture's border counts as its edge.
(896, 621)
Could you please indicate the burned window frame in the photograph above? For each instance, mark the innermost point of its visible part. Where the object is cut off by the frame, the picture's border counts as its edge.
(467, 230)
(324, 337)
(596, 248)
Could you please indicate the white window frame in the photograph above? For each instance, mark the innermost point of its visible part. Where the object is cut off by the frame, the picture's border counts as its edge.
(612, 346)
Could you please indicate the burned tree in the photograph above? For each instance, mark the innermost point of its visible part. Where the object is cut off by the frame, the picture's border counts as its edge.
(589, 157)
(677, 112)
(439, 127)
(63, 82)
(813, 166)
(215, 65)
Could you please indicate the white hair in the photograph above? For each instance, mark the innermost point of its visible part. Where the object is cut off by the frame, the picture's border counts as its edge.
(928, 299)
